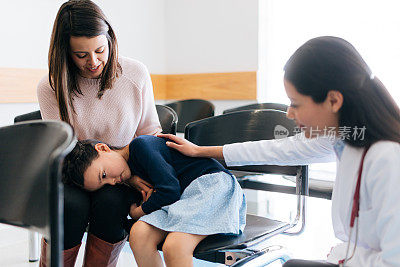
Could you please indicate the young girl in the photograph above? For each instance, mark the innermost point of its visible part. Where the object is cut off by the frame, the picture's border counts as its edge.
(332, 89)
(191, 197)
(102, 96)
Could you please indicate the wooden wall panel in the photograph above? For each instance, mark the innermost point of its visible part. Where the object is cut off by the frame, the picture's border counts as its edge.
(159, 85)
(213, 86)
(19, 85)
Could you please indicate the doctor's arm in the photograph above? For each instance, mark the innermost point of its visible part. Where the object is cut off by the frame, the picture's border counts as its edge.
(294, 150)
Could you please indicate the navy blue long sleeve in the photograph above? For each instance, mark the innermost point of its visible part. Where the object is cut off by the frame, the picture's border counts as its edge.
(169, 171)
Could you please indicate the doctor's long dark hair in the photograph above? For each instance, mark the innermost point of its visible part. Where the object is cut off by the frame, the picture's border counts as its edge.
(330, 63)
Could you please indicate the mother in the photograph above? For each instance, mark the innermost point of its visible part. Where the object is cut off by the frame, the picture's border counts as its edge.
(102, 96)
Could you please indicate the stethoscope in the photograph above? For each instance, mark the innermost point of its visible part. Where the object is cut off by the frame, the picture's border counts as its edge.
(354, 212)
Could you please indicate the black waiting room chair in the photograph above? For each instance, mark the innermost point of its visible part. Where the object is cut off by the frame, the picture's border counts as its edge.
(34, 115)
(317, 187)
(168, 120)
(31, 191)
(191, 110)
(243, 126)
(276, 106)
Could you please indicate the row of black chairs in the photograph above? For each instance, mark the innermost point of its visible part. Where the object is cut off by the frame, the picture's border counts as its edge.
(190, 110)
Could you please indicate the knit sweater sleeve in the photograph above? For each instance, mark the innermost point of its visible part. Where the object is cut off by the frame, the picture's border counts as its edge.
(47, 100)
(149, 123)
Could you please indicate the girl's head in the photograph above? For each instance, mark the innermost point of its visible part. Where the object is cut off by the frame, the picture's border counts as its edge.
(92, 164)
(330, 85)
(82, 43)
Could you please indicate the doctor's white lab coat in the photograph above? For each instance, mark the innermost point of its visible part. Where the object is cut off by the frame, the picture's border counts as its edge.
(379, 216)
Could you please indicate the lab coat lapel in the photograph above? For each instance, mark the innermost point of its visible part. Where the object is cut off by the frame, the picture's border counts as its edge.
(342, 197)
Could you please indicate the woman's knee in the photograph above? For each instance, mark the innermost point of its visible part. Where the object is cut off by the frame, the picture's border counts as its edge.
(76, 215)
(76, 203)
(112, 200)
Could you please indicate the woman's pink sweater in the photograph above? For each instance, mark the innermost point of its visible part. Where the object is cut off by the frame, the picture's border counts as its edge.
(125, 111)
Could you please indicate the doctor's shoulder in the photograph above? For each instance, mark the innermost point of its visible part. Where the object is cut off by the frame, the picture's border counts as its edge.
(383, 161)
(387, 150)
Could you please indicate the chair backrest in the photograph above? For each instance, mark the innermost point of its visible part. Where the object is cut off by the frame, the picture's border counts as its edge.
(248, 125)
(35, 115)
(276, 106)
(168, 119)
(191, 110)
(31, 192)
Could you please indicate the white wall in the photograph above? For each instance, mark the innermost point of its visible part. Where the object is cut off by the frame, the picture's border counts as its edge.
(173, 36)
(140, 28)
(372, 26)
(26, 29)
(211, 35)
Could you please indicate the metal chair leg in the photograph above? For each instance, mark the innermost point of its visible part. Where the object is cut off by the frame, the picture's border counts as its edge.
(33, 246)
(264, 257)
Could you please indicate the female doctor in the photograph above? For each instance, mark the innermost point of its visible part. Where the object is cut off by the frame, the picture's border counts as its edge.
(332, 90)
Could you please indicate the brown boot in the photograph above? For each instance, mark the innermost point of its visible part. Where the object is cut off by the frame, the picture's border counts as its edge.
(69, 255)
(99, 253)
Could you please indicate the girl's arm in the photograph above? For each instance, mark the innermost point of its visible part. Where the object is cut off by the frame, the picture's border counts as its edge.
(140, 184)
(137, 212)
(149, 161)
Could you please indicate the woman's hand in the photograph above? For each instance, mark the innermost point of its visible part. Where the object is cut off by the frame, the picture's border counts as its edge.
(182, 145)
(139, 184)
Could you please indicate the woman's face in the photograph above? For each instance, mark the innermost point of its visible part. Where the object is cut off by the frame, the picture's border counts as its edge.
(109, 167)
(90, 55)
(310, 116)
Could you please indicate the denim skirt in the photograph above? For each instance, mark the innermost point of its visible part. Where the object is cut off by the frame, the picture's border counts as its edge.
(212, 204)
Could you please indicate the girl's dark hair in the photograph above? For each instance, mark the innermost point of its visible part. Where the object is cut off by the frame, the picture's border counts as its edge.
(78, 160)
(78, 18)
(330, 63)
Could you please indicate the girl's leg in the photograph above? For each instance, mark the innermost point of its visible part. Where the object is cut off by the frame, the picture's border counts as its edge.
(178, 248)
(143, 240)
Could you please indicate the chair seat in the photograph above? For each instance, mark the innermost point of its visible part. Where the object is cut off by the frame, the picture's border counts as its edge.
(256, 227)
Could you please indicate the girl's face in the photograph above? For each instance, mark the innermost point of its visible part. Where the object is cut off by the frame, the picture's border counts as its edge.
(313, 117)
(109, 168)
(90, 55)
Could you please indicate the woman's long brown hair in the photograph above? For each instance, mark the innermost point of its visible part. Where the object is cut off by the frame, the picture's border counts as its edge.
(78, 18)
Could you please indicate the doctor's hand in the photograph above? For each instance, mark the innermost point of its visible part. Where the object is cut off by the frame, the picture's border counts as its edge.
(139, 184)
(182, 145)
